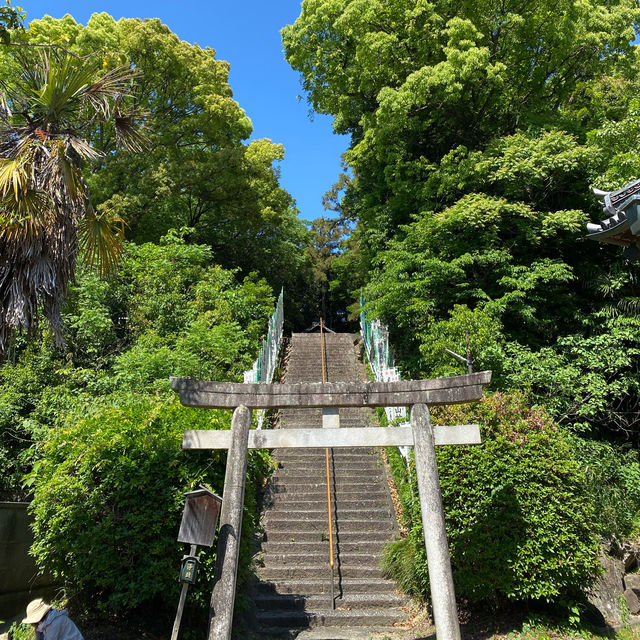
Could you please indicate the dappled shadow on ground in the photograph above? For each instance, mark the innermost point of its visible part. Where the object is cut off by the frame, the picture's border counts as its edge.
(502, 622)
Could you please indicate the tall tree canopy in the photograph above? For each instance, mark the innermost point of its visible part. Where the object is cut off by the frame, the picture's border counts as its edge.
(412, 80)
(199, 171)
(477, 129)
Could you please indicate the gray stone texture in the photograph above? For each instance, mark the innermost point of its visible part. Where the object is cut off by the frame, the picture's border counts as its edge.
(632, 581)
(337, 393)
(605, 593)
(294, 591)
(633, 604)
(335, 438)
(443, 598)
(224, 582)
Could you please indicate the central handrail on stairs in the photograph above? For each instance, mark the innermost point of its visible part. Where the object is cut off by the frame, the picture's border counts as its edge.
(326, 452)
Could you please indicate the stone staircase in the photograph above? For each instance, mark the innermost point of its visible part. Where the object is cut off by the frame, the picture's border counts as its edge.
(294, 591)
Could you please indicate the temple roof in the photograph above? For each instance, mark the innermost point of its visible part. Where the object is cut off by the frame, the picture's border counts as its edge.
(622, 224)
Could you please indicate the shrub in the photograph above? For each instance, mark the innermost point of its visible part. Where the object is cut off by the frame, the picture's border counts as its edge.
(109, 497)
(519, 523)
(612, 484)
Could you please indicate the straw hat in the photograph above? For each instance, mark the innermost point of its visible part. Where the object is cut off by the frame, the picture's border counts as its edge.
(36, 610)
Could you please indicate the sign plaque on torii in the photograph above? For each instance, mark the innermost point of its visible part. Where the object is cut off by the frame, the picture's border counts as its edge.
(417, 394)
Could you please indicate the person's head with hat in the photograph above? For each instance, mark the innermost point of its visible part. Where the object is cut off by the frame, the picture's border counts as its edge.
(36, 610)
(50, 623)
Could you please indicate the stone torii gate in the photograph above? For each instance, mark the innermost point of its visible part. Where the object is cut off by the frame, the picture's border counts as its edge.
(418, 394)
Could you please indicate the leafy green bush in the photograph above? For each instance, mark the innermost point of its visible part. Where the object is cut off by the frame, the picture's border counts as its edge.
(589, 383)
(21, 632)
(519, 522)
(168, 310)
(612, 484)
(109, 497)
(101, 429)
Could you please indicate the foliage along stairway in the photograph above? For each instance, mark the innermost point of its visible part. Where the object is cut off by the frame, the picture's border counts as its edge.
(294, 591)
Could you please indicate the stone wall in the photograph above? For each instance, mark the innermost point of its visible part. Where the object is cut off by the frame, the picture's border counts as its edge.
(616, 592)
(20, 581)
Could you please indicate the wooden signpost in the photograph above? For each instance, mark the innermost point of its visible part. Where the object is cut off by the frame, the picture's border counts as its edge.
(418, 394)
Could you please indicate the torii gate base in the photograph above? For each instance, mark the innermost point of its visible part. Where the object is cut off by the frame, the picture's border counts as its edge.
(423, 436)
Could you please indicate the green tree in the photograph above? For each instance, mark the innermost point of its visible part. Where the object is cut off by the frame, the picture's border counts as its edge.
(11, 19)
(199, 170)
(410, 81)
(99, 429)
(325, 245)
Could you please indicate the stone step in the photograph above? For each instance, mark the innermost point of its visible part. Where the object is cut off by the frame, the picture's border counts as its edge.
(347, 479)
(305, 505)
(352, 478)
(345, 463)
(320, 524)
(322, 585)
(356, 559)
(309, 357)
(340, 463)
(313, 369)
(339, 513)
(340, 452)
(320, 535)
(324, 618)
(316, 570)
(311, 501)
(294, 602)
(317, 414)
(319, 492)
(343, 490)
(285, 423)
(338, 466)
(319, 503)
(361, 546)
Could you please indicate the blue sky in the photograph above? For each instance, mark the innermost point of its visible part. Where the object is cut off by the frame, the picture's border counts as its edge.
(246, 33)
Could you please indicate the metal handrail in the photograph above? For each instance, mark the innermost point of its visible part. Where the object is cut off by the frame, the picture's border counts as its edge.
(326, 452)
(265, 366)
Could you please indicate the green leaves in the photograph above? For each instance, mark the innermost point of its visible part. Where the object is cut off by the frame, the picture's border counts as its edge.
(11, 19)
(109, 498)
(519, 523)
(101, 430)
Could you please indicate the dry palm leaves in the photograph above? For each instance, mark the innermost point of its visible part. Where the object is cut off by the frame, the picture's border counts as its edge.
(45, 211)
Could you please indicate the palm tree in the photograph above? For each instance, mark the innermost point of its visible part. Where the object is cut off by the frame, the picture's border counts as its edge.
(48, 112)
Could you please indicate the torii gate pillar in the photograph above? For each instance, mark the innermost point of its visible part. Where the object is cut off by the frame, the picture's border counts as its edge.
(443, 596)
(226, 572)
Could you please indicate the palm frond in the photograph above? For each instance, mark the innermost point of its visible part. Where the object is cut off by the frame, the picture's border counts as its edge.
(81, 147)
(128, 134)
(113, 84)
(100, 239)
(14, 177)
(630, 306)
(25, 217)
